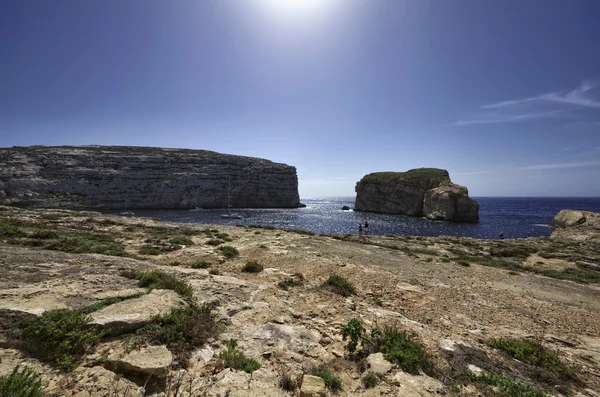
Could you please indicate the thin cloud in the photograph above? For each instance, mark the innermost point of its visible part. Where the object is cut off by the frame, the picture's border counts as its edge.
(561, 166)
(508, 118)
(576, 97)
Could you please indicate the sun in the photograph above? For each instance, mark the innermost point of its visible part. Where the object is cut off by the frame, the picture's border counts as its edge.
(297, 8)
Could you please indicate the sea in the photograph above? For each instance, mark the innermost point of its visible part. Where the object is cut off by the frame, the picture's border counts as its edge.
(514, 217)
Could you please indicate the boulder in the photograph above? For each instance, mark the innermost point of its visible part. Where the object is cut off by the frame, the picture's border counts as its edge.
(98, 381)
(417, 385)
(576, 225)
(345, 208)
(450, 202)
(378, 364)
(153, 360)
(312, 386)
(568, 218)
(135, 313)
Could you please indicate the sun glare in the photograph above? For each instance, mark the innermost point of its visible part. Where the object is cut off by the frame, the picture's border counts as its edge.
(298, 8)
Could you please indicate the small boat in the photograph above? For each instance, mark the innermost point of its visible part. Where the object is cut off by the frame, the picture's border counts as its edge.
(127, 212)
(196, 208)
(229, 215)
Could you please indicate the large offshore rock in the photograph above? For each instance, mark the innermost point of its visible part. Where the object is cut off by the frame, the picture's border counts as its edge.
(109, 177)
(450, 202)
(418, 192)
(399, 193)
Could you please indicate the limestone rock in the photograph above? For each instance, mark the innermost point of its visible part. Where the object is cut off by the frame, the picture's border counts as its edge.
(153, 360)
(417, 385)
(576, 225)
(97, 381)
(418, 192)
(134, 313)
(378, 364)
(450, 202)
(312, 386)
(105, 177)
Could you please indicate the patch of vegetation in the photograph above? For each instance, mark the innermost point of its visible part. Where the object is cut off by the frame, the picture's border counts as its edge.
(180, 240)
(579, 275)
(527, 351)
(201, 265)
(296, 280)
(214, 242)
(21, 382)
(44, 234)
(182, 329)
(214, 272)
(340, 285)
(288, 383)
(252, 267)
(509, 386)
(356, 332)
(149, 250)
(234, 358)
(107, 302)
(332, 382)
(229, 252)
(224, 237)
(159, 280)
(61, 336)
(89, 244)
(463, 262)
(402, 348)
(11, 228)
(370, 380)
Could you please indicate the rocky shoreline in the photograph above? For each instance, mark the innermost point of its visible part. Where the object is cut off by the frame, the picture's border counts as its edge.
(461, 300)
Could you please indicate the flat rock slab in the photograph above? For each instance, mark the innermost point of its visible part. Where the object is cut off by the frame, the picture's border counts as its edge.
(98, 381)
(153, 360)
(226, 291)
(135, 313)
(312, 386)
(378, 364)
(297, 339)
(417, 385)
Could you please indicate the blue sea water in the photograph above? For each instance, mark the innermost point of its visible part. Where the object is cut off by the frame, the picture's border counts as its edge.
(514, 217)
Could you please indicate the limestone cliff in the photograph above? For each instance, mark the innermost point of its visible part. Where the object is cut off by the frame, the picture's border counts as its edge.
(106, 177)
(577, 225)
(419, 192)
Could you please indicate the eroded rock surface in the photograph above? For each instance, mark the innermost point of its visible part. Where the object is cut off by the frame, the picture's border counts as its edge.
(450, 202)
(152, 360)
(104, 177)
(576, 225)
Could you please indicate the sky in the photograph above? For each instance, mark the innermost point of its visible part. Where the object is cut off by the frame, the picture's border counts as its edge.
(503, 94)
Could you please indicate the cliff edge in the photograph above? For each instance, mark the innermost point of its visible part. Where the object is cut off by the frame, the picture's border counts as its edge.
(108, 177)
(427, 192)
(576, 225)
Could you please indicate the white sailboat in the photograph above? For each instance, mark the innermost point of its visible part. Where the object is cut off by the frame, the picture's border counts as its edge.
(196, 208)
(229, 215)
(127, 212)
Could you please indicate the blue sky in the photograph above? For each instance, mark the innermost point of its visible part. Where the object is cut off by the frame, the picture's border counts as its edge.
(503, 94)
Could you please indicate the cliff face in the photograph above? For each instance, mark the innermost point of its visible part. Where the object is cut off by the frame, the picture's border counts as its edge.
(106, 177)
(419, 192)
(577, 225)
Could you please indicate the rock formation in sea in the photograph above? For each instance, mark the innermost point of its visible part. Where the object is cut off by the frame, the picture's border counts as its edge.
(111, 177)
(576, 225)
(426, 192)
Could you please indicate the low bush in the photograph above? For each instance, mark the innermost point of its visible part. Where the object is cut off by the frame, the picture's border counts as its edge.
(509, 386)
(296, 280)
(88, 244)
(44, 234)
(182, 329)
(201, 265)
(159, 280)
(527, 351)
(21, 382)
(214, 242)
(229, 252)
(288, 383)
(149, 250)
(402, 348)
(60, 336)
(235, 358)
(332, 382)
(12, 228)
(252, 267)
(340, 285)
(180, 240)
(370, 380)
(223, 236)
(214, 272)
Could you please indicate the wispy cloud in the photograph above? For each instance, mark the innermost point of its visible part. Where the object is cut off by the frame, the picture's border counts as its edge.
(540, 107)
(495, 118)
(561, 165)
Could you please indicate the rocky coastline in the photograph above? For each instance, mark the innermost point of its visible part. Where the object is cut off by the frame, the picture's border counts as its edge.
(273, 312)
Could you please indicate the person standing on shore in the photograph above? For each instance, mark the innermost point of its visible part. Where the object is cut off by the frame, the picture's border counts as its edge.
(366, 227)
(360, 229)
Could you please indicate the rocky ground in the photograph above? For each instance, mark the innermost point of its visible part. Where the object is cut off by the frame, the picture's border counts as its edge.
(453, 295)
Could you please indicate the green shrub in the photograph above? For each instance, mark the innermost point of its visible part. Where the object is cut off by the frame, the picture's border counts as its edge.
(463, 262)
(180, 240)
(182, 329)
(88, 244)
(509, 386)
(12, 228)
(149, 250)
(22, 382)
(288, 383)
(61, 335)
(44, 234)
(340, 285)
(528, 352)
(214, 272)
(201, 265)
(370, 380)
(235, 358)
(157, 279)
(402, 348)
(223, 236)
(332, 382)
(214, 242)
(229, 252)
(252, 267)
